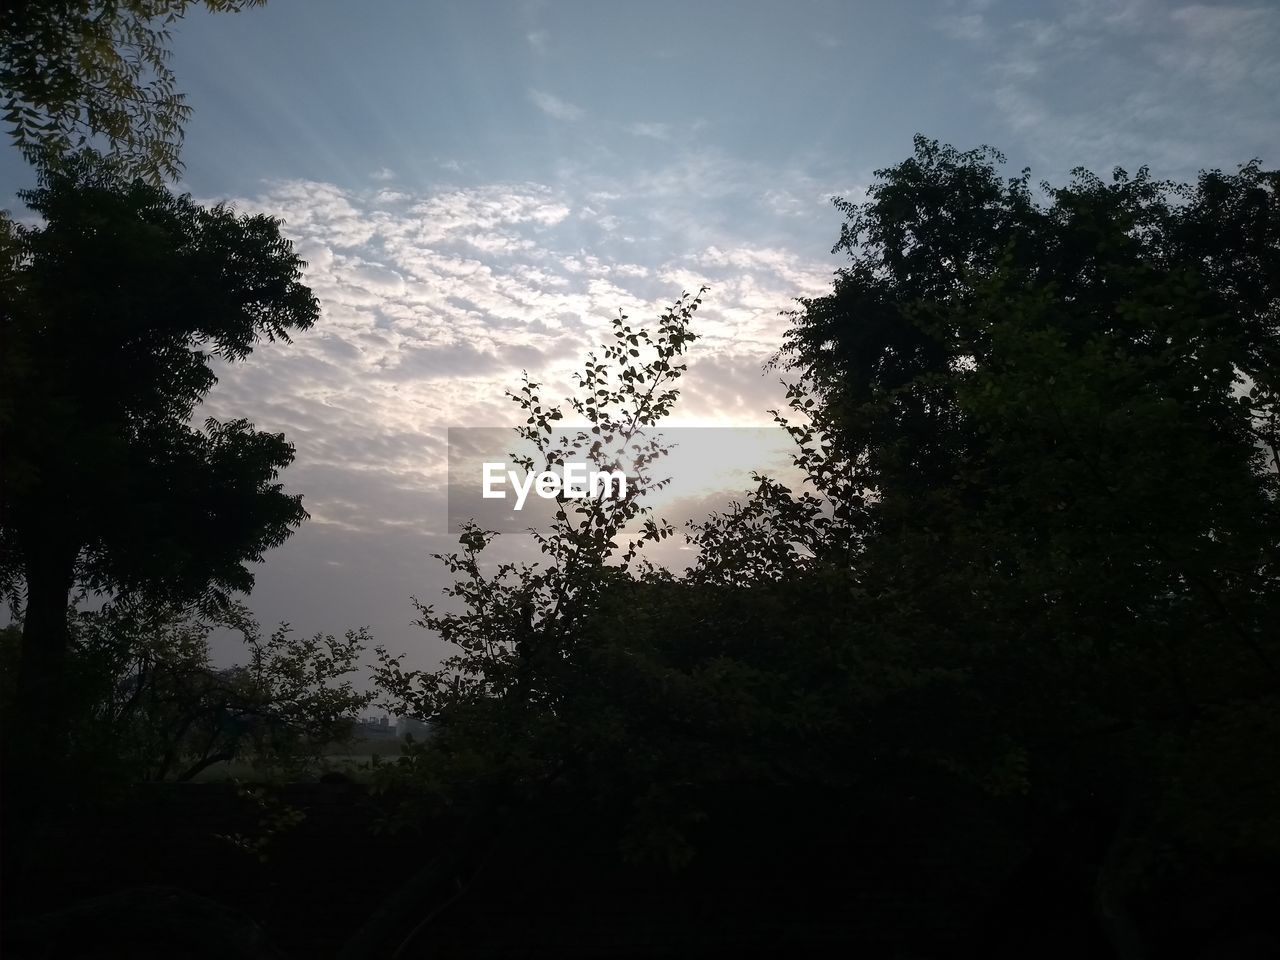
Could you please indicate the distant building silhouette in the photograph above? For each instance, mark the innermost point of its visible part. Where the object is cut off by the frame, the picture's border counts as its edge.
(375, 727)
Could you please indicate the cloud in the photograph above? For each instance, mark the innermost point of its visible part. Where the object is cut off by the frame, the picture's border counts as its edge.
(553, 106)
(1169, 86)
(1228, 47)
(434, 301)
(538, 41)
(455, 360)
(466, 287)
(965, 26)
(378, 278)
(730, 388)
(432, 305)
(655, 131)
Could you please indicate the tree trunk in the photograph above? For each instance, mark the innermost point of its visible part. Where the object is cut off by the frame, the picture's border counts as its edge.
(42, 723)
(1112, 887)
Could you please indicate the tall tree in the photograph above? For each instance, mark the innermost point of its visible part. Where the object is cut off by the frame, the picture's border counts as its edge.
(113, 312)
(1060, 414)
(1085, 381)
(75, 70)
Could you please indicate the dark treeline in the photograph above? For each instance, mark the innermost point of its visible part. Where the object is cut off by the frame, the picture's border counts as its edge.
(1001, 679)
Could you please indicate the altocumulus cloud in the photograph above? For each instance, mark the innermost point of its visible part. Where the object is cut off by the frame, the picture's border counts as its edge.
(432, 306)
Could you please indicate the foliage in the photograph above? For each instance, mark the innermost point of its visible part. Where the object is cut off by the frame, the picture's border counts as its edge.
(1034, 554)
(72, 71)
(1063, 412)
(114, 313)
(527, 635)
(122, 300)
(640, 697)
(153, 706)
(1059, 417)
(274, 817)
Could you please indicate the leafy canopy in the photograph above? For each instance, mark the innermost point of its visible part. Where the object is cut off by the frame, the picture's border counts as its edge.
(1035, 555)
(1058, 413)
(73, 71)
(150, 705)
(117, 308)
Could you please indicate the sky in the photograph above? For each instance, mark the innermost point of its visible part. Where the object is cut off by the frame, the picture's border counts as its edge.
(478, 186)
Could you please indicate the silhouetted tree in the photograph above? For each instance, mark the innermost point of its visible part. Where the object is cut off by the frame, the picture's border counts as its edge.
(522, 639)
(1063, 412)
(75, 70)
(113, 313)
(150, 705)
(1056, 420)
(1029, 586)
